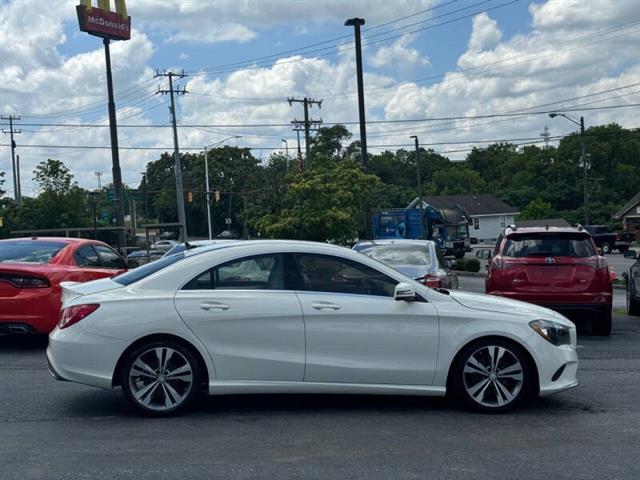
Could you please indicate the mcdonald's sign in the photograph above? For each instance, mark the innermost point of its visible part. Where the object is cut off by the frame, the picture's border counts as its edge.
(102, 22)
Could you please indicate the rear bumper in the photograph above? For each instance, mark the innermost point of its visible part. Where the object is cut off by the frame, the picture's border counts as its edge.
(38, 309)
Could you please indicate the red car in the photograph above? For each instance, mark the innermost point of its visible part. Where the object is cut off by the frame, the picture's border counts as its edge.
(31, 270)
(558, 268)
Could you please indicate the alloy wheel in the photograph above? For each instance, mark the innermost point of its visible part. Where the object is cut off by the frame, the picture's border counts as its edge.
(493, 376)
(160, 379)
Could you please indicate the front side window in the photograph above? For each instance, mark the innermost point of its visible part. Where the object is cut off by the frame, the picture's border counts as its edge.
(324, 273)
(86, 256)
(110, 259)
(260, 272)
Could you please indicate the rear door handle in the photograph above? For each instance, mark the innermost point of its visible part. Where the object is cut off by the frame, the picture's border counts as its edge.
(325, 306)
(213, 306)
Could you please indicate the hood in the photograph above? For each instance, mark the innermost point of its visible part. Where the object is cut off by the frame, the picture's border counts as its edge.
(492, 303)
(71, 290)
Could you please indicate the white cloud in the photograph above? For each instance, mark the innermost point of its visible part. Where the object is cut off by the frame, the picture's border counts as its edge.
(399, 54)
(485, 33)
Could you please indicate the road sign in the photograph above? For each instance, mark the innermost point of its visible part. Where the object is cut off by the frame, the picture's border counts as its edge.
(227, 221)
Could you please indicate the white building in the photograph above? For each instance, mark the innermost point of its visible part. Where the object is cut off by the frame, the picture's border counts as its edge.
(489, 215)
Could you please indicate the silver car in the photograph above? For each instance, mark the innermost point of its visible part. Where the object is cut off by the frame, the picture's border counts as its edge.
(417, 259)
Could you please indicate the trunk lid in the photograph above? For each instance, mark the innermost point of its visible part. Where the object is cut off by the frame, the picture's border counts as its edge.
(550, 274)
(72, 290)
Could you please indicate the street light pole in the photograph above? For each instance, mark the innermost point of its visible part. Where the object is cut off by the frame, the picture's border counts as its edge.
(418, 175)
(357, 23)
(206, 180)
(583, 156)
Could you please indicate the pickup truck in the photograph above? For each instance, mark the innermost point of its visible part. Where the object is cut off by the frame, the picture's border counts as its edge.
(607, 241)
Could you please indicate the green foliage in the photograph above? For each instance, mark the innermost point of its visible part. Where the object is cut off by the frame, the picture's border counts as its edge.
(537, 209)
(472, 265)
(456, 180)
(459, 265)
(324, 203)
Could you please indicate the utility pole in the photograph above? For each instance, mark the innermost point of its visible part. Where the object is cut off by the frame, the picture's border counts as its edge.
(357, 23)
(206, 181)
(144, 194)
(419, 177)
(99, 175)
(16, 170)
(307, 124)
(583, 157)
(18, 177)
(182, 217)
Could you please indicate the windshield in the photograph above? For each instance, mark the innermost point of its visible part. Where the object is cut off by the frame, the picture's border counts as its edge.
(399, 254)
(458, 232)
(549, 246)
(145, 270)
(29, 251)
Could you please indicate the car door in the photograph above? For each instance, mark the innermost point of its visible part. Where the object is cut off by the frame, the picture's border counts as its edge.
(356, 332)
(251, 325)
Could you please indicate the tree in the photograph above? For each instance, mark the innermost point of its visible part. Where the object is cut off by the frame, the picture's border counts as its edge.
(329, 141)
(53, 176)
(457, 180)
(324, 203)
(537, 209)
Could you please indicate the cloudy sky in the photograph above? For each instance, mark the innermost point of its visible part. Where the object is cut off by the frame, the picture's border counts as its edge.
(424, 59)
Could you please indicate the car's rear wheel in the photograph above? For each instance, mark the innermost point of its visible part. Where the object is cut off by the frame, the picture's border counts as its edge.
(160, 377)
(602, 326)
(633, 306)
(606, 248)
(492, 375)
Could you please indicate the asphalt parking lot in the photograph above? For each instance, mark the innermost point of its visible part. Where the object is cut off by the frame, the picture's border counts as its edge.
(56, 430)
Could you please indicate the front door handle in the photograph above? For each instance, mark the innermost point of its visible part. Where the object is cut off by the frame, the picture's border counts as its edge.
(325, 306)
(213, 306)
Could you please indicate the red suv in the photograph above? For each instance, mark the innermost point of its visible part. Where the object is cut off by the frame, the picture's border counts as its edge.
(558, 268)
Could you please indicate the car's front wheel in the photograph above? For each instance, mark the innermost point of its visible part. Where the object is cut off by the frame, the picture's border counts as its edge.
(160, 377)
(492, 375)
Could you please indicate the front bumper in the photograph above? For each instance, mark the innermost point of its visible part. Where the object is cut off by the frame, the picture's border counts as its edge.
(557, 366)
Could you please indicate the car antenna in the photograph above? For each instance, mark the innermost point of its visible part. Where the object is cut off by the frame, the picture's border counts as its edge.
(188, 246)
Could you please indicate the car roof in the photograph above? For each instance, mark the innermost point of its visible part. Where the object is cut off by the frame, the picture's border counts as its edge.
(398, 241)
(524, 230)
(67, 240)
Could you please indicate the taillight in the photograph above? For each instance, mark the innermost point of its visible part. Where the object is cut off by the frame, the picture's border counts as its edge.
(74, 314)
(24, 281)
(431, 280)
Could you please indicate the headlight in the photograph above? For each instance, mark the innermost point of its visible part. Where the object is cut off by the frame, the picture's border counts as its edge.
(552, 332)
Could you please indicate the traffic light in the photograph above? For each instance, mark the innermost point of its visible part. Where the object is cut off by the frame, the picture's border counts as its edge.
(216, 195)
(190, 197)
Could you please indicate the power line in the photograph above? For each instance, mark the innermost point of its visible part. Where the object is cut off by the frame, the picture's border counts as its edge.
(350, 122)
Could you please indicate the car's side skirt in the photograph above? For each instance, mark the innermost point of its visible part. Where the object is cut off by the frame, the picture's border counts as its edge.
(231, 387)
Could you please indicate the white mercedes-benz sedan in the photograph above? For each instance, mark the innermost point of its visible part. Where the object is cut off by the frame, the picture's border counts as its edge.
(301, 317)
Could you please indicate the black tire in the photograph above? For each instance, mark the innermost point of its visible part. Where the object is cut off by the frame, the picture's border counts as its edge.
(602, 326)
(176, 392)
(606, 248)
(460, 382)
(458, 254)
(633, 306)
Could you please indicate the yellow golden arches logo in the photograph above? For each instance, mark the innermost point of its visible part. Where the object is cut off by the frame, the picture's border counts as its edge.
(121, 6)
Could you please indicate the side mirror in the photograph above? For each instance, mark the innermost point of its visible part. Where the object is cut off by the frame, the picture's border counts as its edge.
(631, 254)
(484, 254)
(132, 264)
(405, 292)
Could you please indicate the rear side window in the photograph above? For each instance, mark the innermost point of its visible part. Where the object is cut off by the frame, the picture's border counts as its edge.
(86, 256)
(29, 251)
(548, 245)
(260, 272)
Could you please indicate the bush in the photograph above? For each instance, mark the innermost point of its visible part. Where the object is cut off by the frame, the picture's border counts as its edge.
(459, 265)
(472, 265)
